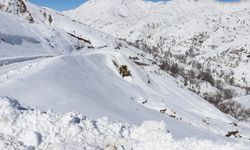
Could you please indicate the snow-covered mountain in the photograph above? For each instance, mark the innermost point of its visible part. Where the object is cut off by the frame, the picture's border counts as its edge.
(204, 43)
(54, 63)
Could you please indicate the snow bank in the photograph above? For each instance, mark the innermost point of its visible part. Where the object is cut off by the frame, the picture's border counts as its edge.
(244, 100)
(26, 128)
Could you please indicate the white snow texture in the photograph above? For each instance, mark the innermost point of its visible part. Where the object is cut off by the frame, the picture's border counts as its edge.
(32, 128)
(56, 72)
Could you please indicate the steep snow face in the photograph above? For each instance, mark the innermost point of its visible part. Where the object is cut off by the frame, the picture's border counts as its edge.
(49, 33)
(26, 128)
(24, 39)
(74, 28)
(199, 36)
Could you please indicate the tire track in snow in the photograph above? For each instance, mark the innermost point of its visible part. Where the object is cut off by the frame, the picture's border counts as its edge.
(13, 60)
(37, 63)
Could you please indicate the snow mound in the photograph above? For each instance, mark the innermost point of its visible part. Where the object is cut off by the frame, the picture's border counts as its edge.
(27, 128)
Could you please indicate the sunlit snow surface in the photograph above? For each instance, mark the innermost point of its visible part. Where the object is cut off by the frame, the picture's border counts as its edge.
(41, 67)
(25, 129)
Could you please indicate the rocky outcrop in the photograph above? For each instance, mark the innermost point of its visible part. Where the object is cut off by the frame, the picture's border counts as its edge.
(16, 7)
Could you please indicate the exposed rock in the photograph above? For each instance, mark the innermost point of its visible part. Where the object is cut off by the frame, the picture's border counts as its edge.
(234, 133)
(123, 70)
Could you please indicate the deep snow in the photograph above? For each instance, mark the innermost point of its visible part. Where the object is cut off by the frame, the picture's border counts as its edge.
(47, 69)
(27, 129)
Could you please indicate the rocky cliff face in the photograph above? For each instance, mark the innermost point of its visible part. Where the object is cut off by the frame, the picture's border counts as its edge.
(16, 7)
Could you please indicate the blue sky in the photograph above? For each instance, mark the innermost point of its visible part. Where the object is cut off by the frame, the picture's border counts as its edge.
(61, 5)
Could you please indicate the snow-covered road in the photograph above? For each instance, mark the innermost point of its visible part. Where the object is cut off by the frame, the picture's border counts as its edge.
(18, 67)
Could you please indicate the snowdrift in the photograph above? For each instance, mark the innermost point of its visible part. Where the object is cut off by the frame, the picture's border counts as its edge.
(26, 128)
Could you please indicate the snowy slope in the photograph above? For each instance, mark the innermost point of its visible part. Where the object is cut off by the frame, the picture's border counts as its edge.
(244, 100)
(49, 33)
(209, 33)
(73, 67)
(70, 83)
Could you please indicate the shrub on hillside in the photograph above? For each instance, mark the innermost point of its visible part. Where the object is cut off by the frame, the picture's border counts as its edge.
(235, 109)
(206, 77)
(228, 93)
(174, 69)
